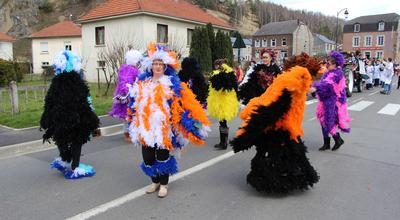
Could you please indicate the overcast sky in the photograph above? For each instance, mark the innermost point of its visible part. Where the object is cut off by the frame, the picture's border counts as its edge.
(355, 8)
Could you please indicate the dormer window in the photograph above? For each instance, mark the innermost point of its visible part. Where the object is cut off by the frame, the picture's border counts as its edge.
(381, 26)
(356, 27)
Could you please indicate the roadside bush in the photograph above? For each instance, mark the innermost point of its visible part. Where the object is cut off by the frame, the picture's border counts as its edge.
(10, 71)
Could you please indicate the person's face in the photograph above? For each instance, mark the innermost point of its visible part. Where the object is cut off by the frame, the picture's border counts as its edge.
(266, 58)
(331, 65)
(158, 67)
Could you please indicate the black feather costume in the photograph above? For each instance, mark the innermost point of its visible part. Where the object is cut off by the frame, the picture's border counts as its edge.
(191, 74)
(67, 117)
(257, 82)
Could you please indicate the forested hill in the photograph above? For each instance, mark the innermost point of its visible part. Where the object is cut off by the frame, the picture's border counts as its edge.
(249, 15)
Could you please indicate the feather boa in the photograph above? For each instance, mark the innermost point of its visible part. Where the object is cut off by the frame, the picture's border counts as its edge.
(332, 106)
(126, 75)
(166, 114)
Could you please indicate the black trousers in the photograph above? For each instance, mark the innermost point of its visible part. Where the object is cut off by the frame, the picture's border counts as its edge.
(398, 83)
(70, 153)
(150, 155)
(223, 124)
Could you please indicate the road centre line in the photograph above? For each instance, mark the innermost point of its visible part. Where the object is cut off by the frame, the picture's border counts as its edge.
(142, 191)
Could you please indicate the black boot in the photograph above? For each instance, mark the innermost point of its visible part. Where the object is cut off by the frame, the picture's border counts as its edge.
(338, 141)
(223, 132)
(327, 144)
(221, 138)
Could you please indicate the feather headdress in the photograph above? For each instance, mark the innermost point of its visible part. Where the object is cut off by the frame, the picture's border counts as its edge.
(160, 52)
(133, 57)
(66, 61)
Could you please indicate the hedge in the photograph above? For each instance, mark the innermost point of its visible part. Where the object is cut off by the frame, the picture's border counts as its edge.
(10, 71)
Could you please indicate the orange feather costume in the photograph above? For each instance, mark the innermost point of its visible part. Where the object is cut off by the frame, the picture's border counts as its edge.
(272, 122)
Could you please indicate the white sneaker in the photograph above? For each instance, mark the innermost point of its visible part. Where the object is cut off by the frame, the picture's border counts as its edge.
(152, 188)
(163, 192)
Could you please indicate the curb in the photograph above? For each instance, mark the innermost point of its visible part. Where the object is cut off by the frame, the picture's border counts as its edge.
(38, 145)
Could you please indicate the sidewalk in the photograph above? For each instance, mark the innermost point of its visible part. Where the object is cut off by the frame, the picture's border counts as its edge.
(17, 136)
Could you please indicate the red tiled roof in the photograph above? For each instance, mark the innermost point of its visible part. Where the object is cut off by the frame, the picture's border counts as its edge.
(5, 37)
(61, 29)
(174, 8)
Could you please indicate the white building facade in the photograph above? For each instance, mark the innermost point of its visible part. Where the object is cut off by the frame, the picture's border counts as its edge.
(136, 29)
(6, 47)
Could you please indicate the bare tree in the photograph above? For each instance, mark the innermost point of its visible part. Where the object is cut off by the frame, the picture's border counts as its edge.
(113, 56)
(177, 43)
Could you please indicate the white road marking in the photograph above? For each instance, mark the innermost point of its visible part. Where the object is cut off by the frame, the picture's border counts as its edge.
(390, 109)
(312, 101)
(312, 119)
(373, 93)
(359, 106)
(357, 100)
(142, 191)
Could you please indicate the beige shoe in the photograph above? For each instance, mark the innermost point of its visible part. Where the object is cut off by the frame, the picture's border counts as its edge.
(152, 188)
(163, 192)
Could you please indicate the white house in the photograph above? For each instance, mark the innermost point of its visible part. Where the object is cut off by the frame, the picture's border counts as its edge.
(47, 42)
(6, 47)
(322, 45)
(138, 22)
(245, 53)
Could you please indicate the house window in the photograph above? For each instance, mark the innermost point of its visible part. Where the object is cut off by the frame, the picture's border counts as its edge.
(257, 43)
(357, 28)
(162, 33)
(68, 45)
(381, 26)
(45, 64)
(44, 47)
(189, 36)
(379, 54)
(273, 42)
(368, 41)
(284, 42)
(264, 43)
(101, 63)
(100, 35)
(356, 41)
(367, 54)
(380, 40)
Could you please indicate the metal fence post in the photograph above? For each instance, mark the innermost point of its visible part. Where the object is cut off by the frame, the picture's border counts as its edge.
(14, 97)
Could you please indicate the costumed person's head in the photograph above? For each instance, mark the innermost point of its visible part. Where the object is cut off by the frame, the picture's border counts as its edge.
(133, 58)
(218, 63)
(67, 62)
(160, 60)
(335, 60)
(189, 68)
(304, 60)
(267, 56)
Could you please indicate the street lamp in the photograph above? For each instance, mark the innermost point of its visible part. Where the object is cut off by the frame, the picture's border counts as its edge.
(346, 14)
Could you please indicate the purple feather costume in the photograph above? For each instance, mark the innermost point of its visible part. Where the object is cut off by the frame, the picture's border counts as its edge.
(126, 75)
(332, 106)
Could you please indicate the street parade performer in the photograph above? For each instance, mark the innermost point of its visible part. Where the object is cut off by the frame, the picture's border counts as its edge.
(332, 105)
(163, 116)
(222, 102)
(191, 75)
(272, 122)
(68, 117)
(127, 74)
(260, 78)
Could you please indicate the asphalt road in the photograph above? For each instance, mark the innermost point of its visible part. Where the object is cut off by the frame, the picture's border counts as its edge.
(359, 181)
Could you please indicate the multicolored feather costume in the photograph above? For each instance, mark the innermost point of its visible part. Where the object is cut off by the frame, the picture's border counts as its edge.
(165, 114)
(332, 105)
